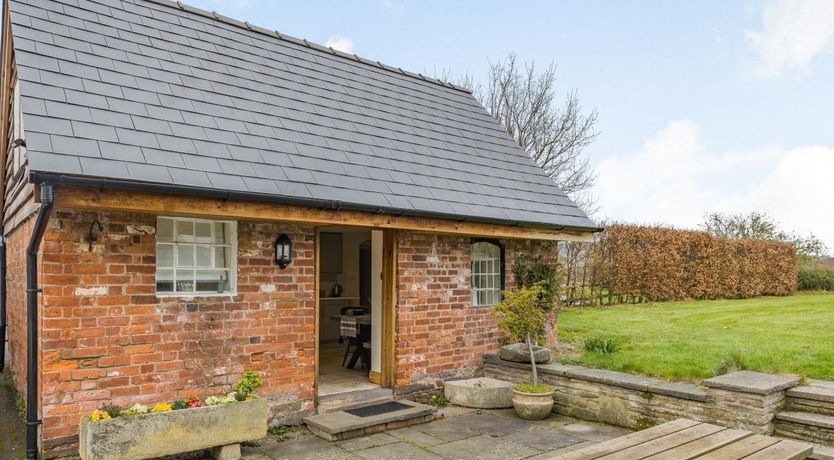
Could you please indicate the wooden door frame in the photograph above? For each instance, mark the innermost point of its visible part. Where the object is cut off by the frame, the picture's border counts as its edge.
(389, 307)
(388, 362)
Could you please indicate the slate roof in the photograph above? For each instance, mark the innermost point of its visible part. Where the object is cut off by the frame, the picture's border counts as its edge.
(155, 92)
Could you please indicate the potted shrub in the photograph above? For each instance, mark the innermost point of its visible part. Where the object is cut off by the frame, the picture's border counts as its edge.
(520, 316)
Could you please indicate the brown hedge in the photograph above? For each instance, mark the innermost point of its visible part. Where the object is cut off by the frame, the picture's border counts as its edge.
(647, 263)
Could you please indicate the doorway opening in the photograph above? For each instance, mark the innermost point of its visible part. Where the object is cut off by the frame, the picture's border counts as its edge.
(350, 310)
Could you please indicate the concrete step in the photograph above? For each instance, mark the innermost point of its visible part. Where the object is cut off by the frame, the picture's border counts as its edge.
(341, 425)
(805, 426)
(353, 399)
(817, 397)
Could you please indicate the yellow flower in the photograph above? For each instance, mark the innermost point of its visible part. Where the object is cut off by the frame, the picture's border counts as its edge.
(99, 415)
(161, 407)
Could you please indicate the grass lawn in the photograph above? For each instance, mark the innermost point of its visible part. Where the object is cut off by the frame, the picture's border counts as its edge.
(689, 340)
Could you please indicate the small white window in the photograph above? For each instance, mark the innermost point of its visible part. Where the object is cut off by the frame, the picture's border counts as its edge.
(486, 274)
(195, 256)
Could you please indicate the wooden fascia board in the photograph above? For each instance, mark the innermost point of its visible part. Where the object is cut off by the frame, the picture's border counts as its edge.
(194, 206)
(5, 96)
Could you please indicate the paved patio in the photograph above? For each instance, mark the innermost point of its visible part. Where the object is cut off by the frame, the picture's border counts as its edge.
(461, 434)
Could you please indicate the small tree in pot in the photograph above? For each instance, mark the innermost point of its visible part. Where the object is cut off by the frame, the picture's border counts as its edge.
(520, 316)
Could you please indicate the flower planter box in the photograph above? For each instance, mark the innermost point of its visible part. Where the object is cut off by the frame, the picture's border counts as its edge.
(152, 435)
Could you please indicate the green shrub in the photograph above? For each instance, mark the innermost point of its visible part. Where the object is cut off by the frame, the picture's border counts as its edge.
(112, 410)
(247, 385)
(438, 401)
(603, 345)
(734, 362)
(815, 279)
(533, 388)
(280, 432)
(178, 404)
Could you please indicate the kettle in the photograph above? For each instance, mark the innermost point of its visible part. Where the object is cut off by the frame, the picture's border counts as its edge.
(337, 290)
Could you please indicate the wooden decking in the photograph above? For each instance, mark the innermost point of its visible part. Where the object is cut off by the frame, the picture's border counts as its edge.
(686, 439)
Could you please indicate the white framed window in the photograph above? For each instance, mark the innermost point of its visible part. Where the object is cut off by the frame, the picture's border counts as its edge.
(195, 256)
(487, 273)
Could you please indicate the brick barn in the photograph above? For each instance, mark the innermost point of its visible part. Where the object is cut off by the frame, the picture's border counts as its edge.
(186, 197)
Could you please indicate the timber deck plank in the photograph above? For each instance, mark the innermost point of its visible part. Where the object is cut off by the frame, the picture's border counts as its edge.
(684, 439)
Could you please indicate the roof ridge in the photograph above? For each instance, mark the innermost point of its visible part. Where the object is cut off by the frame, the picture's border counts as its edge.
(303, 42)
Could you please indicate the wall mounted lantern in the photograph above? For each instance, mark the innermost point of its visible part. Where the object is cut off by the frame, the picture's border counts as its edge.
(283, 251)
(90, 237)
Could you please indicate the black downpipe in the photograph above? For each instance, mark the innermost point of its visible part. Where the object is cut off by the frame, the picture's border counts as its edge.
(32, 291)
(2, 303)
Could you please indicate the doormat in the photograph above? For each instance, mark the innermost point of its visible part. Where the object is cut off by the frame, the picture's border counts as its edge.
(376, 409)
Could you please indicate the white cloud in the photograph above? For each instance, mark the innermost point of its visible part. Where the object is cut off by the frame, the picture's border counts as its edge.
(340, 43)
(675, 180)
(793, 33)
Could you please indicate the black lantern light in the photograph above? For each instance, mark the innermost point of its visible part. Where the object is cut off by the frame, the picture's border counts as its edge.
(283, 250)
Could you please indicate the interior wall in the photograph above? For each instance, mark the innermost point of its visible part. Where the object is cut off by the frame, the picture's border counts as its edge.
(350, 261)
(349, 275)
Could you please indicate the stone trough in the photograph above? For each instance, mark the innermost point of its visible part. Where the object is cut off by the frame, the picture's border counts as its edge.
(480, 393)
(221, 428)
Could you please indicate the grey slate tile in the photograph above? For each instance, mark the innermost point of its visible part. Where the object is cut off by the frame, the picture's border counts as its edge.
(188, 177)
(75, 146)
(139, 138)
(94, 131)
(100, 167)
(48, 125)
(67, 111)
(124, 152)
(151, 125)
(51, 162)
(176, 144)
(163, 157)
(149, 173)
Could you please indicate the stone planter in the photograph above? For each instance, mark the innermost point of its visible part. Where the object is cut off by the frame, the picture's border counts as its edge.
(533, 406)
(480, 393)
(221, 428)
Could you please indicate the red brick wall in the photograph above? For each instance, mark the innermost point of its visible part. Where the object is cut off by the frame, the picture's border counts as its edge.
(108, 338)
(439, 333)
(16, 242)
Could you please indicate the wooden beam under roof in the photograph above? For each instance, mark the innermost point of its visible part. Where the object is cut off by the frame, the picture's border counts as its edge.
(195, 206)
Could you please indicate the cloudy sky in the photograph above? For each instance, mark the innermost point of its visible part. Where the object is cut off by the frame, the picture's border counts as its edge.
(712, 105)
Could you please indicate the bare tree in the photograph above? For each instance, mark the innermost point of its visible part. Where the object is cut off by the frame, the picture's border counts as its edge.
(554, 133)
(761, 226)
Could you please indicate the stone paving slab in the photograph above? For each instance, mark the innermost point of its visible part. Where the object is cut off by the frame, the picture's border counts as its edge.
(486, 447)
(365, 442)
(308, 449)
(680, 390)
(752, 382)
(816, 393)
(412, 435)
(619, 379)
(486, 423)
(542, 439)
(399, 451)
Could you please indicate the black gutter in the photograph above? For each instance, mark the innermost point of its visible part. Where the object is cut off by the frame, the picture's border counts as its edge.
(32, 420)
(279, 199)
(2, 303)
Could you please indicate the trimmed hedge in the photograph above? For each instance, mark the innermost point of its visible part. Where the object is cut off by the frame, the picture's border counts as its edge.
(644, 263)
(819, 279)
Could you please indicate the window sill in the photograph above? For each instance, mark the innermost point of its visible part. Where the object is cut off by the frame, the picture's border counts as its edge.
(191, 296)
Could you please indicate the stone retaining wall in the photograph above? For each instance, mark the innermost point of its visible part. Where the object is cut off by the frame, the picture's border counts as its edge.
(745, 400)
